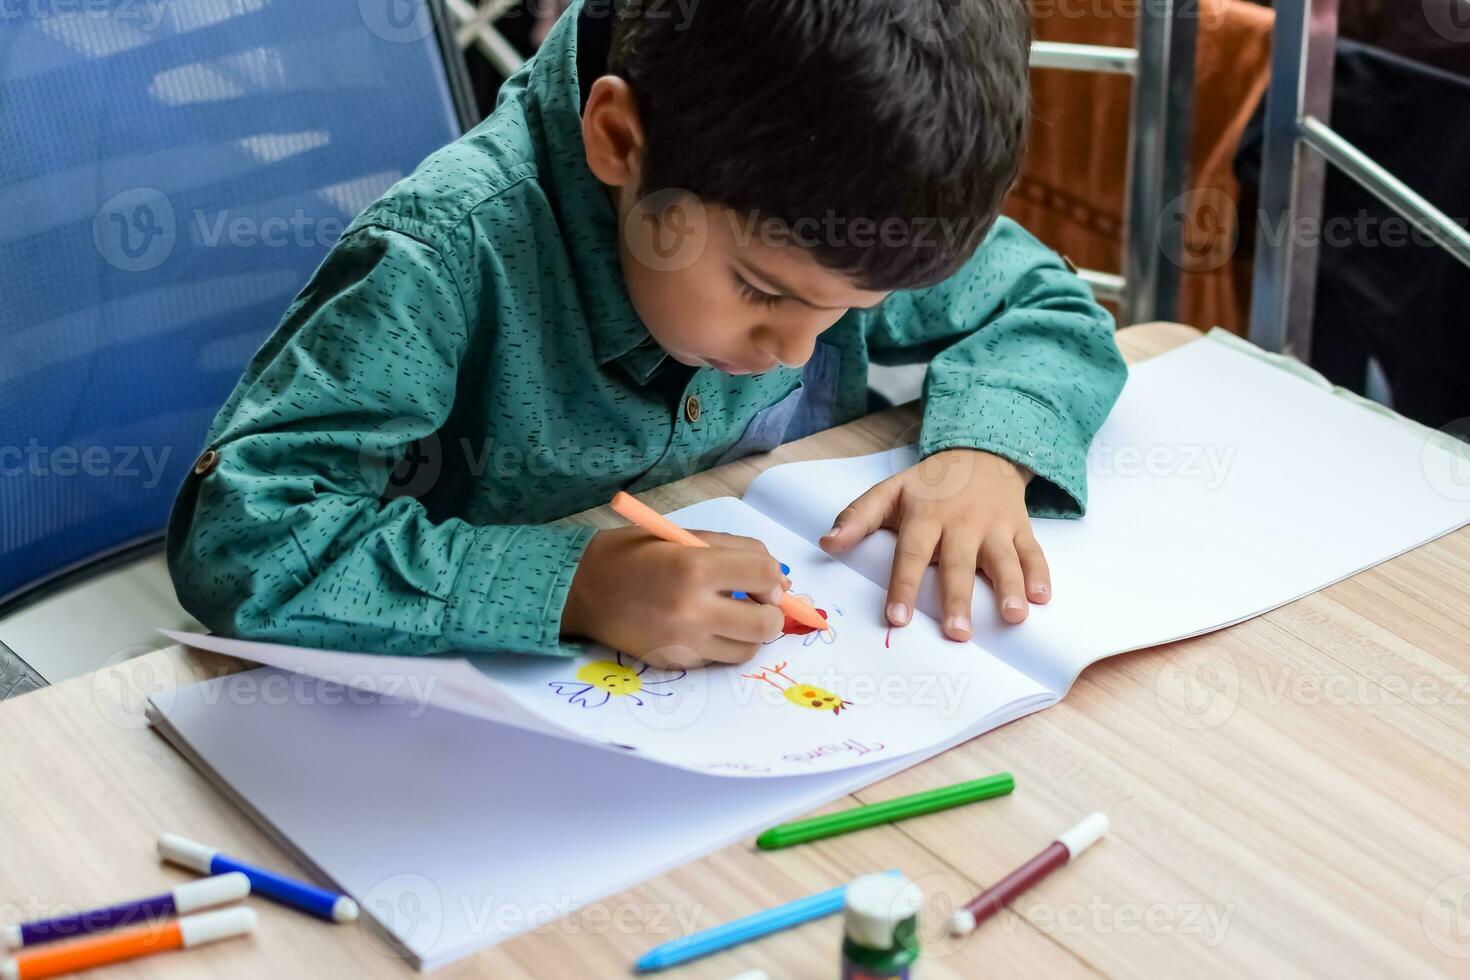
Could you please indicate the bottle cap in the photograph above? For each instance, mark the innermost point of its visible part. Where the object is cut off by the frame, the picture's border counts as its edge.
(875, 905)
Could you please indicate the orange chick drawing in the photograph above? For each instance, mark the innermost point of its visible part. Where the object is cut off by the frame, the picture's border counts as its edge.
(807, 696)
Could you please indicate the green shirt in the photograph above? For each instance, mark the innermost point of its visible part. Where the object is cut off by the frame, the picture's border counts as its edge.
(466, 365)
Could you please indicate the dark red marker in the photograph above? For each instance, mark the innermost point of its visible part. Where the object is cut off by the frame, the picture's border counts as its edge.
(1000, 894)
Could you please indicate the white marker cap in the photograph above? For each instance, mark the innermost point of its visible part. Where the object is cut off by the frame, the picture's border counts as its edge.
(207, 892)
(962, 923)
(210, 926)
(10, 936)
(9, 969)
(185, 853)
(1085, 834)
(344, 910)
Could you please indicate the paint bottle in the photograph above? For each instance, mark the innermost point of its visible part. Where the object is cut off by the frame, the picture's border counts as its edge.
(881, 922)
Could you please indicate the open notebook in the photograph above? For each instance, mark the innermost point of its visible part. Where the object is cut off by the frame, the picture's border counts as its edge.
(1221, 486)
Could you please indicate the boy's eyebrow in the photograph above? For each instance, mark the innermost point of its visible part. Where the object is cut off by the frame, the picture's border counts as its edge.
(773, 284)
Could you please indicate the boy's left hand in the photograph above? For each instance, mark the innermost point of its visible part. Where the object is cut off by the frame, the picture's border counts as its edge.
(962, 509)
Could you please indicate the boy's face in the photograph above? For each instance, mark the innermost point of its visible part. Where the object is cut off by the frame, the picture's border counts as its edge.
(714, 287)
(716, 290)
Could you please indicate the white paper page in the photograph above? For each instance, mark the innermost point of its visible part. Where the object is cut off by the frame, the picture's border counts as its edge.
(1219, 488)
(445, 682)
(464, 832)
(809, 702)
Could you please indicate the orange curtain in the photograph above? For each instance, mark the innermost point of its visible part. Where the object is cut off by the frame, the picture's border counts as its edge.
(1072, 185)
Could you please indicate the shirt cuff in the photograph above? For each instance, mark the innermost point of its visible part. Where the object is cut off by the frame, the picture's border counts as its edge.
(1017, 427)
(512, 589)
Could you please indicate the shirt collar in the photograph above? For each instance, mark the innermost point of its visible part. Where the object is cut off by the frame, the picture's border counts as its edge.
(583, 207)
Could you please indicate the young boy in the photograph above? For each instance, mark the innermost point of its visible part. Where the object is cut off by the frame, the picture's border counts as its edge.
(682, 236)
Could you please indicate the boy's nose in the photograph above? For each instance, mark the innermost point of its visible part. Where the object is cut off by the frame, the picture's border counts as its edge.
(796, 348)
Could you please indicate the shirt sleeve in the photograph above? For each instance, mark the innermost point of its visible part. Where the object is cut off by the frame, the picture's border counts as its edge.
(1022, 363)
(285, 531)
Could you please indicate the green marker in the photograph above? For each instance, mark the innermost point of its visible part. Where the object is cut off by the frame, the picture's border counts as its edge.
(900, 809)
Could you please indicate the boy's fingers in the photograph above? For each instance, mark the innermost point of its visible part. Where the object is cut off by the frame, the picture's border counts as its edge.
(1003, 568)
(717, 539)
(911, 556)
(722, 650)
(1034, 568)
(739, 542)
(861, 517)
(673, 658)
(959, 553)
(756, 574)
(747, 622)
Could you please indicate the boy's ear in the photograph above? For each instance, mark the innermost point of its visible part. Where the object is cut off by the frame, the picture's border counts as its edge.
(613, 132)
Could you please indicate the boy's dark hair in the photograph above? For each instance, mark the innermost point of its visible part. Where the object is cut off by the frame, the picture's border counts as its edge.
(886, 132)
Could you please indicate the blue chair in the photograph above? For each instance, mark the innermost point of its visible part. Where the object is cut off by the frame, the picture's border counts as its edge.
(171, 173)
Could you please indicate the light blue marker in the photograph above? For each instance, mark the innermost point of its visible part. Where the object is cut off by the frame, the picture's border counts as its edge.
(288, 891)
(755, 926)
(785, 570)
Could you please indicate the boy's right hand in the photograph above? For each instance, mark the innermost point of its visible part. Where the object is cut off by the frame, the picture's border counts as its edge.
(669, 604)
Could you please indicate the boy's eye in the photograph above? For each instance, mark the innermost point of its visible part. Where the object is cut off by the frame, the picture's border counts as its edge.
(758, 296)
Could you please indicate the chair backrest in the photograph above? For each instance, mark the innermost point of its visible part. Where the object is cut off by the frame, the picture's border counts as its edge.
(171, 172)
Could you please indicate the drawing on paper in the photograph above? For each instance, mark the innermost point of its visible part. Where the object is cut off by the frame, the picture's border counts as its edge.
(808, 634)
(609, 679)
(807, 696)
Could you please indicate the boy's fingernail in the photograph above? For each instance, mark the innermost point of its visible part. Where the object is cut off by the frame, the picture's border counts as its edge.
(786, 584)
(898, 613)
(785, 568)
(775, 597)
(836, 530)
(1011, 603)
(957, 624)
(1041, 588)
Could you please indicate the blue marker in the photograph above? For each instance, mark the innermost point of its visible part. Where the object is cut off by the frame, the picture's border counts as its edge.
(785, 570)
(309, 898)
(743, 930)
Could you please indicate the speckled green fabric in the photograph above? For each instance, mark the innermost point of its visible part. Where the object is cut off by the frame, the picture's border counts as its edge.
(466, 365)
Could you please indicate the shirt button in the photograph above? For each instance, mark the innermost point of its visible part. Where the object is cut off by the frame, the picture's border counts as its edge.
(206, 463)
(691, 408)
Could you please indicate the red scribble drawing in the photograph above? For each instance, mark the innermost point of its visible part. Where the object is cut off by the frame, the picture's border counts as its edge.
(808, 634)
(807, 696)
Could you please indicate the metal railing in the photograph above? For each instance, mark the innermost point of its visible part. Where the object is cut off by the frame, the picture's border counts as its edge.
(1162, 69)
(1299, 144)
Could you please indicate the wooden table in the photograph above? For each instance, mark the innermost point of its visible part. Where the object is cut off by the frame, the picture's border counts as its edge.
(1288, 796)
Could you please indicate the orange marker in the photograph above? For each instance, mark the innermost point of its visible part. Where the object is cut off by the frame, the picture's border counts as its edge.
(127, 944)
(657, 524)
